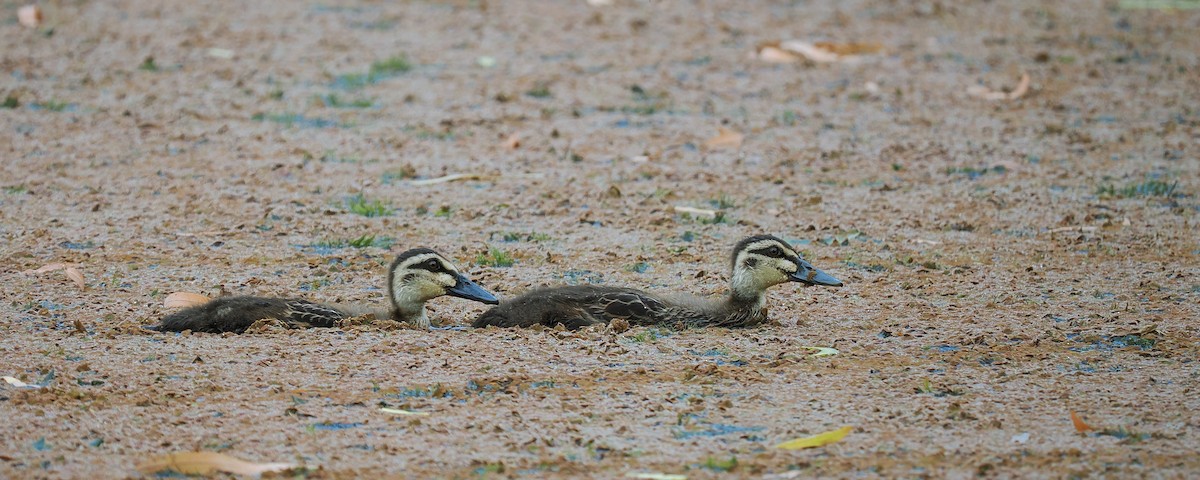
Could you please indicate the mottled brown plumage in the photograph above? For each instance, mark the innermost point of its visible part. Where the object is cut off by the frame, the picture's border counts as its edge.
(415, 276)
(759, 262)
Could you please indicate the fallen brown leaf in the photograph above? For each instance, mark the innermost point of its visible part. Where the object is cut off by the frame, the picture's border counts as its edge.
(1079, 425)
(725, 138)
(19, 384)
(184, 300)
(852, 48)
(789, 51)
(50, 267)
(771, 52)
(206, 463)
(76, 276)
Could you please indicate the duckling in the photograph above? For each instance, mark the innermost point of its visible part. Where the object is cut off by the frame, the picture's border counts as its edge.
(759, 262)
(415, 276)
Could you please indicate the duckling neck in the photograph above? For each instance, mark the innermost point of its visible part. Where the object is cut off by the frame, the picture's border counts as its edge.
(737, 309)
(406, 307)
(739, 300)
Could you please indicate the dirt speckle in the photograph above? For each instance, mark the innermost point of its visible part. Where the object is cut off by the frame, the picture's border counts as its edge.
(1006, 262)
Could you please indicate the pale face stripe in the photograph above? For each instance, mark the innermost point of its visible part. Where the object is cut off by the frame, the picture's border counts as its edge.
(784, 264)
(409, 264)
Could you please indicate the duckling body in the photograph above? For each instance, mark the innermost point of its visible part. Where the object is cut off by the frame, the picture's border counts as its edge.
(236, 314)
(583, 305)
(759, 262)
(414, 277)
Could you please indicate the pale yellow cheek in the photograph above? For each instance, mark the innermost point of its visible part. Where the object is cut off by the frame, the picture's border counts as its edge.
(432, 290)
(778, 277)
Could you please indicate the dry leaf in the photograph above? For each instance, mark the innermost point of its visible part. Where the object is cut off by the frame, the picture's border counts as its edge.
(1079, 425)
(848, 49)
(50, 267)
(184, 300)
(822, 351)
(725, 138)
(818, 440)
(789, 51)
(76, 276)
(980, 91)
(30, 16)
(512, 142)
(206, 463)
(770, 52)
(19, 384)
(79, 327)
(397, 411)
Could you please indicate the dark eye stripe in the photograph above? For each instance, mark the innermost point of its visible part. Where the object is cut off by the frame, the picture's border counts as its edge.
(433, 266)
(773, 252)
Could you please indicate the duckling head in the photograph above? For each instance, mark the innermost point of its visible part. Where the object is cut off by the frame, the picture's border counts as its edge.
(422, 274)
(763, 261)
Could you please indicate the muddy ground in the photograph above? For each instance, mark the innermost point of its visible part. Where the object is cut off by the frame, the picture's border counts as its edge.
(1006, 262)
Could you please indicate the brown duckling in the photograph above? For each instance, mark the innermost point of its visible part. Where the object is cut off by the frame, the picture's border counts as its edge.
(414, 277)
(759, 262)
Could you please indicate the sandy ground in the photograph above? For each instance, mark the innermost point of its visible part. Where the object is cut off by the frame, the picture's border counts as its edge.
(1006, 262)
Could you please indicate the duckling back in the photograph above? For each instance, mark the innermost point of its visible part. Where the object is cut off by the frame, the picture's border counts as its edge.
(580, 306)
(236, 314)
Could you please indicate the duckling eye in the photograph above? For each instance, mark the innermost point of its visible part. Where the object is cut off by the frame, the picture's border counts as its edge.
(775, 252)
(432, 265)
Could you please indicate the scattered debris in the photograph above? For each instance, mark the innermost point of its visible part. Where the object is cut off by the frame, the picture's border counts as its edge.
(184, 300)
(70, 269)
(222, 53)
(207, 463)
(76, 276)
(655, 476)
(1080, 426)
(512, 142)
(1020, 437)
(451, 178)
(818, 440)
(700, 212)
(980, 91)
(791, 51)
(397, 411)
(30, 16)
(822, 351)
(19, 384)
(1079, 229)
(725, 138)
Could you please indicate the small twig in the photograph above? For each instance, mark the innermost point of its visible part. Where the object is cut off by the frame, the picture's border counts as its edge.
(450, 178)
(1071, 229)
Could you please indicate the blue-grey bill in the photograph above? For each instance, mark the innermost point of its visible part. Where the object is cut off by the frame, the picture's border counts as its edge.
(811, 276)
(472, 291)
